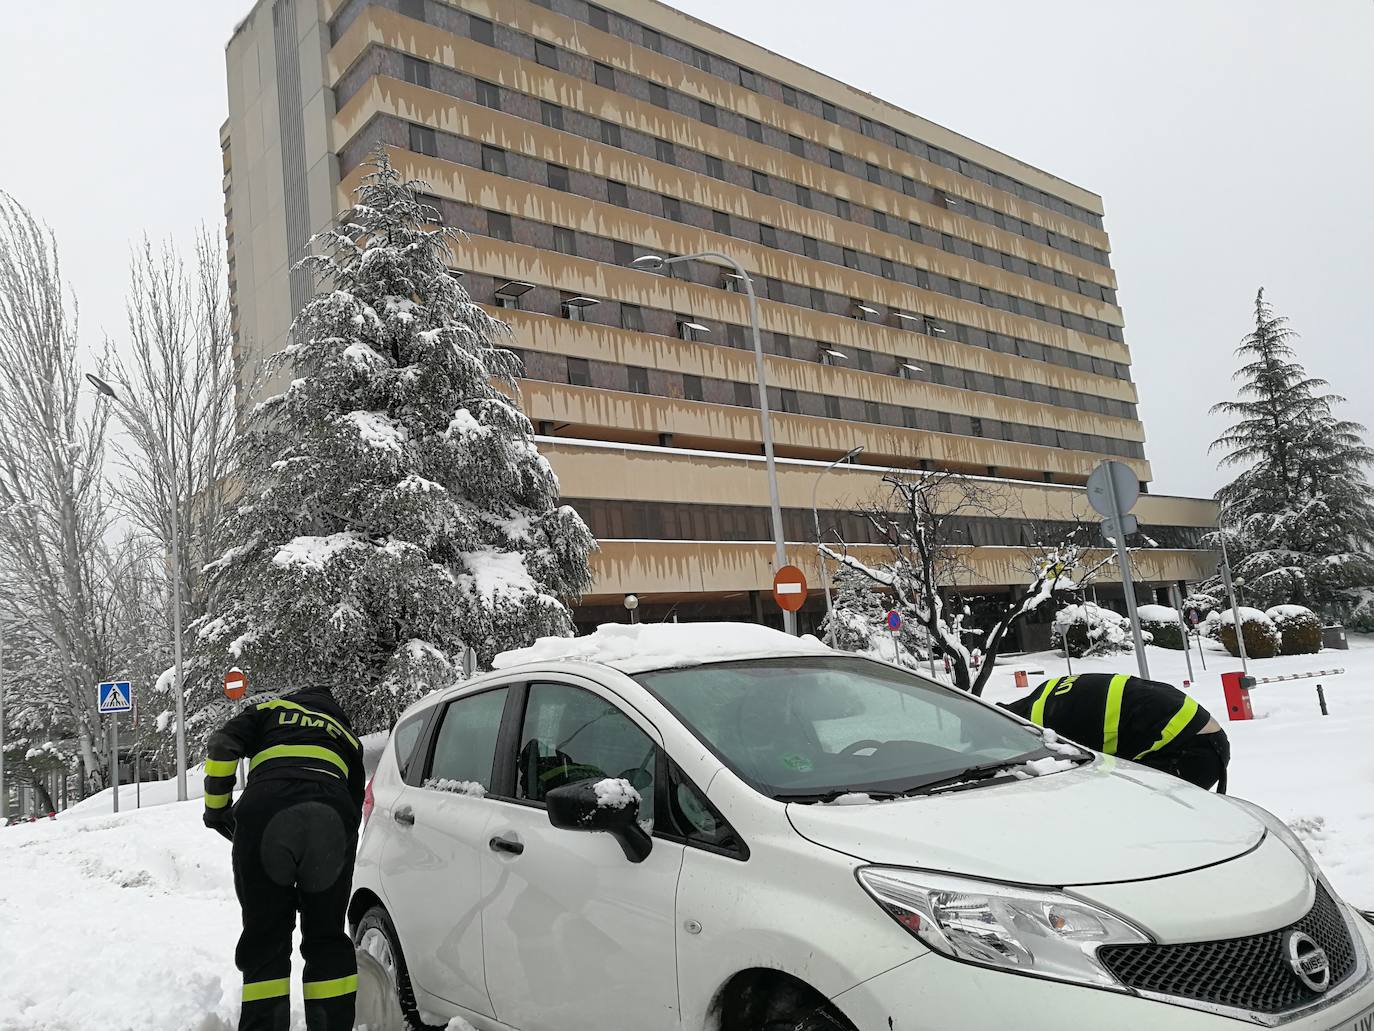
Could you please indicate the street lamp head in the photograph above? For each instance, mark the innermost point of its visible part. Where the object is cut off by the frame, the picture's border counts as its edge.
(102, 386)
(853, 453)
(631, 602)
(648, 261)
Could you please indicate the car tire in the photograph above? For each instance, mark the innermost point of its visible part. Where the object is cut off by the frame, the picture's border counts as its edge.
(375, 932)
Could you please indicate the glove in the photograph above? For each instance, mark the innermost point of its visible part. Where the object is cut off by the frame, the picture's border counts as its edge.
(222, 821)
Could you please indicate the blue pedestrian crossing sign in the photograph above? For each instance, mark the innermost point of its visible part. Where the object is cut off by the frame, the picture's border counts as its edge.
(115, 696)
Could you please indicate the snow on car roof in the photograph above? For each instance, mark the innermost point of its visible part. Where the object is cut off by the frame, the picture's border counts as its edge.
(640, 647)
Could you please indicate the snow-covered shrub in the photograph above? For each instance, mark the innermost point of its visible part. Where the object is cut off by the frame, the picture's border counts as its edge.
(1163, 626)
(1261, 636)
(1300, 631)
(1088, 629)
(859, 618)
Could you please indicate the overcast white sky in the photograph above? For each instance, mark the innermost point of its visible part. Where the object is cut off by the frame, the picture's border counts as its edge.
(1232, 142)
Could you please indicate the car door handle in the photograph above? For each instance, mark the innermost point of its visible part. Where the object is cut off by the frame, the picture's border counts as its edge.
(404, 815)
(510, 845)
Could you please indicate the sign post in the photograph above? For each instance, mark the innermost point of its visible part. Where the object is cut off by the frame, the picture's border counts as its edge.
(1113, 489)
(789, 588)
(1176, 597)
(894, 623)
(112, 698)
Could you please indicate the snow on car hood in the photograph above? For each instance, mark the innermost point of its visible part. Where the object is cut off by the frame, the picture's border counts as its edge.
(641, 647)
(1103, 822)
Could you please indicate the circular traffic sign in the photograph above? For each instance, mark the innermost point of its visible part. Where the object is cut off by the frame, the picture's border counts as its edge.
(235, 684)
(894, 620)
(1104, 478)
(789, 588)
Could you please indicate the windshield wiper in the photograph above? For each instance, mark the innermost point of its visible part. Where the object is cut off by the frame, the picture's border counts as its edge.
(972, 775)
(824, 797)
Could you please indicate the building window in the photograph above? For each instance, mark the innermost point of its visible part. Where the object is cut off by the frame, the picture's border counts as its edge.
(551, 115)
(632, 317)
(558, 178)
(499, 226)
(415, 71)
(874, 173)
(837, 160)
(598, 18)
(871, 413)
(817, 300)
(701, 59)
(790, 403)
(423, 140)
(708, 113)
(481, 31)
(672, 208)
(828, 111)
(909, 419)
(804, 196)
(605, 76)
(887, 270)
(880, 221)
(691, 388)
(748, 79)
(768, 236)
(744, 395)
(658, 96)
(782, 345)
(842, 209)
(610, 134)
(863, 360)
(618, 194)
(579, 372)
(489, 94)
(851, 258)
(639, 379)
(720, 221)
(653, 40)
(493, 160)
(811, 247)
(754, 130)
(761, 183)
(789, 96)
(866, 126)
(624, 252)
(977, 426)
(545, 54)
(715, 168)
(413, 9)
(665, 152)
(564, 240)
(832, 406)
(796, 145)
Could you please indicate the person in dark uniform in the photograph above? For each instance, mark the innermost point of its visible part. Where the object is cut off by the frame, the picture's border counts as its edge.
(1153, 723)
(295, 832)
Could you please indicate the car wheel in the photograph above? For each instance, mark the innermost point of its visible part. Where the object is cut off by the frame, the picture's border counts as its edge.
(376, 935)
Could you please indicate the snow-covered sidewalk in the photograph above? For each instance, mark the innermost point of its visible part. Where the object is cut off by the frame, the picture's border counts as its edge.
(128, 922)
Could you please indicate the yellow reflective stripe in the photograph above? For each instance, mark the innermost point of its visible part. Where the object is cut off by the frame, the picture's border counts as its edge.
(1038, 709)
(221, 767)
(1174, 727)
(331, 989)
(1111, 723)
(217, 801)
(282, 703)
(256, 991)
(299, 752)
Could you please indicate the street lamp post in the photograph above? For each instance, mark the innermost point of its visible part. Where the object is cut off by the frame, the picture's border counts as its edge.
(848, 456)
(4, 789)
(168, 461)
(655, 261)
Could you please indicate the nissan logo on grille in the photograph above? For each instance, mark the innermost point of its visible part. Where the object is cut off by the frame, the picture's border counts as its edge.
(1308, 960)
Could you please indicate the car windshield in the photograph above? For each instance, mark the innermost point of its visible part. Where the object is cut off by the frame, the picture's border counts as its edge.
(808, 729)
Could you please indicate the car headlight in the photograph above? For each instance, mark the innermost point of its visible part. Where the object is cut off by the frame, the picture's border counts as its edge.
(1021, 929)
(1281, 831)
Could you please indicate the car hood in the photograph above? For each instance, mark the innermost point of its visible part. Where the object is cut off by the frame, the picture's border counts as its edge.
(1102, 822)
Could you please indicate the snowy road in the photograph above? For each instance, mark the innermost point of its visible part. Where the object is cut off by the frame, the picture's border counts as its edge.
(128, 923)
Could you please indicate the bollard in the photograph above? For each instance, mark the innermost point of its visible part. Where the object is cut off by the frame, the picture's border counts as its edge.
(1236, 687)
(1020, 677)
(1321, 700)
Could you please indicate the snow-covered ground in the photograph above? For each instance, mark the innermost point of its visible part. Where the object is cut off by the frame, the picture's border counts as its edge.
(129, 922)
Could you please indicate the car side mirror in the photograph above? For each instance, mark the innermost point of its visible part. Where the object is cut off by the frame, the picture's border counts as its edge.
(608, 805)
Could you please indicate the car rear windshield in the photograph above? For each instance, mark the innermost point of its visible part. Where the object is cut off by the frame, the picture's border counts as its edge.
(810, 728)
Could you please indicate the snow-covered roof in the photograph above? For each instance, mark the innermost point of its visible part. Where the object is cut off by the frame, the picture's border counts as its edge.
(638, 648)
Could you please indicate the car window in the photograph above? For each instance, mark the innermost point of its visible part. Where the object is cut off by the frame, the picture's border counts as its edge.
(570, 735)
(837, 724)
(404, 739)
(465, 747)
(697, 820)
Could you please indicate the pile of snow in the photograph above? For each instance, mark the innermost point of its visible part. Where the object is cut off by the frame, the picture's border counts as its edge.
(313, 552)
(640, 647)
(458, 787)
(1096, 630)
(1157, 614)
(615, 793)
(1247, 615)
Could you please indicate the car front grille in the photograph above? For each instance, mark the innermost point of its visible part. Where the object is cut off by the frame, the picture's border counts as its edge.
(1249, 973)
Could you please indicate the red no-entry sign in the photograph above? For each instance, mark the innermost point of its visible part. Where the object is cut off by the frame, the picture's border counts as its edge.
(235, 684)
(789, 588)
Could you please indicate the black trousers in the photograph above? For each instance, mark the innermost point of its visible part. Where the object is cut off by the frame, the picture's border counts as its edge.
(1202, 760)
(294, 845)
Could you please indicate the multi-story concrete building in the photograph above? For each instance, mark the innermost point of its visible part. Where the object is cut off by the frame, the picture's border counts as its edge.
(922, 295)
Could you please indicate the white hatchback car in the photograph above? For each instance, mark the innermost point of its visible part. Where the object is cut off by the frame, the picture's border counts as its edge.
(717, 826)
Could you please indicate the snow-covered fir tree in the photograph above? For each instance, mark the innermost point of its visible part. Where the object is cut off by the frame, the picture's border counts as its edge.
(1298, 520)
(395, 509)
